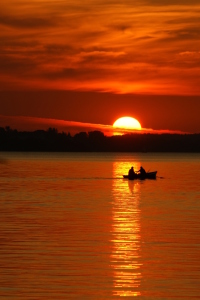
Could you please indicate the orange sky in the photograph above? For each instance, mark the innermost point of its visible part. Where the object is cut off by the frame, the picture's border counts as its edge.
(149, 48)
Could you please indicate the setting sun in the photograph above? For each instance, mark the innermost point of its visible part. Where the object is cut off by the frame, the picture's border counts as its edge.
(127, 123)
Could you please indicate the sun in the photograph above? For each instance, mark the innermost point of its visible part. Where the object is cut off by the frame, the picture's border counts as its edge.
(127, 123)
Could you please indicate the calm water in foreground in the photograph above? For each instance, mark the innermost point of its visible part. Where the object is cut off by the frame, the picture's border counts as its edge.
(71, 227)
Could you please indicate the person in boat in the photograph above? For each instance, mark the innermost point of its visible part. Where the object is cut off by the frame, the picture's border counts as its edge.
(142, 171)
(131, 172)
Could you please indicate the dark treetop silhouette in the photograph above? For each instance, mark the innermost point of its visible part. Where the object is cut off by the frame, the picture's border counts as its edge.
(52, 140)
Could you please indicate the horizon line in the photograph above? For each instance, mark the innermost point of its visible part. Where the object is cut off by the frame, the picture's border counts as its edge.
(26, 123)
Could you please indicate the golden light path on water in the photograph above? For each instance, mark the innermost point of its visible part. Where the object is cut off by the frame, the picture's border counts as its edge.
(126, 233)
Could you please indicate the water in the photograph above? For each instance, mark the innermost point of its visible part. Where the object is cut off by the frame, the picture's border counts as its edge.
(72, 228)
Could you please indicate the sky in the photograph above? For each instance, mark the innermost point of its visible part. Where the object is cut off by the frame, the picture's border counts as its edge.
(95, 61)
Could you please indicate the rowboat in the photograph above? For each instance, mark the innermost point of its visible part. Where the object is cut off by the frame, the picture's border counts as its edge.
(148, 175)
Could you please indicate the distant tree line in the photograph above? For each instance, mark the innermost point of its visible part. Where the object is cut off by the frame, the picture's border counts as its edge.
(95, 141)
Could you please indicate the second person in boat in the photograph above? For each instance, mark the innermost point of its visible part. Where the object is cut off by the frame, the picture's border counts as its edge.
(142, 171)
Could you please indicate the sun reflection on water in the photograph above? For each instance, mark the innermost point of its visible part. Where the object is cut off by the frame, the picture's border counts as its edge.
(126, 233)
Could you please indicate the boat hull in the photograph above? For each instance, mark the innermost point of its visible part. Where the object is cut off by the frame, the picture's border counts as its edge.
(148, 175)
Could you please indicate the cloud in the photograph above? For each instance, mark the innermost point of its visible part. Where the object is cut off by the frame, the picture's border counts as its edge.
(32, 123)
(183, 34)
(98, 45)
(26, 22)
(170, 2)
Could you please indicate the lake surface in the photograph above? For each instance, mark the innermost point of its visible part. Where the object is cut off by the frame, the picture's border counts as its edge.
(72, 228)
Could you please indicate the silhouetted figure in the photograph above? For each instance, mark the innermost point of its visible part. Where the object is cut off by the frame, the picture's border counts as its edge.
(142, 171)
(131, 172)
